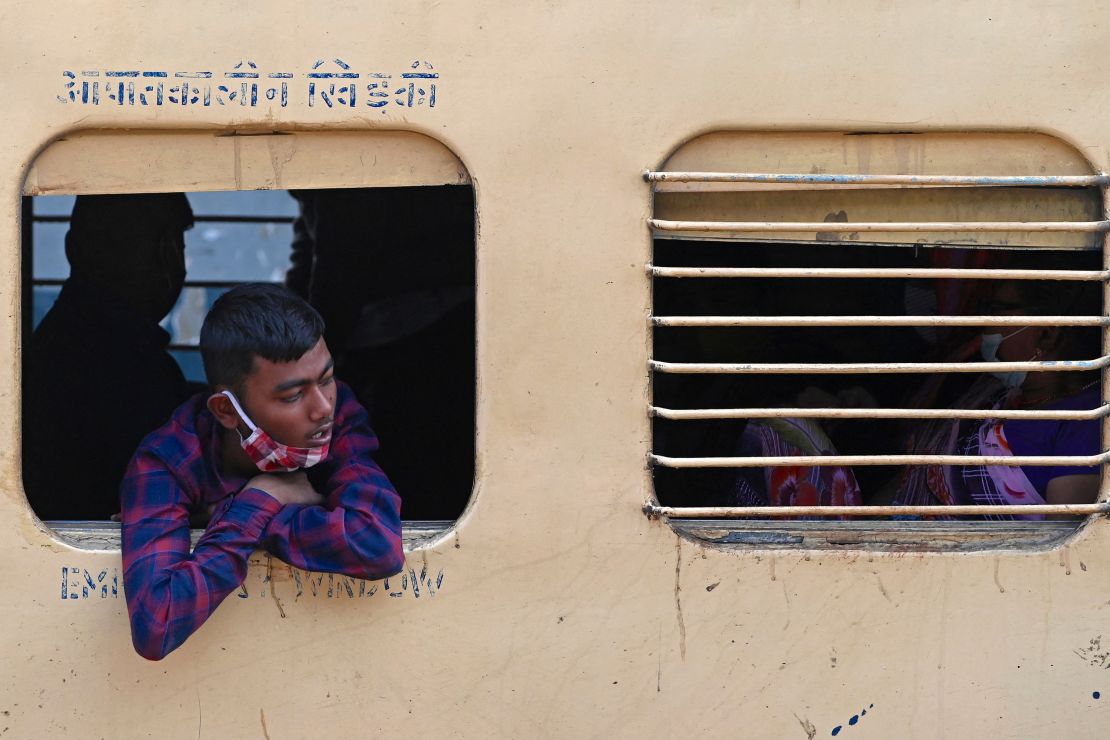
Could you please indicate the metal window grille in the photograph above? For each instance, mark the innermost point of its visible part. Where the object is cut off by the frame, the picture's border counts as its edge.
(741, 230)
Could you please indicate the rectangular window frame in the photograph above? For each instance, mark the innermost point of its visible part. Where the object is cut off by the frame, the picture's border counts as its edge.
(727, 526)
(108, 161)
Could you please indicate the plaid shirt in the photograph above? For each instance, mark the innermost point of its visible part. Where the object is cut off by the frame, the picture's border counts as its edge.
(177, 472)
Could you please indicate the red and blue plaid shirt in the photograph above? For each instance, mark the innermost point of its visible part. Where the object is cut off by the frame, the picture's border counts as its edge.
(177, 472)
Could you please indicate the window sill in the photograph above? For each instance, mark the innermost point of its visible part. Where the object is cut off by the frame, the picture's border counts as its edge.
(106, 535)
(878, 536)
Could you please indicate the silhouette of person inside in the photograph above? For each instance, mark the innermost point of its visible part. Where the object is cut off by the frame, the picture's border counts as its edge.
(391, 270)
(97, 376)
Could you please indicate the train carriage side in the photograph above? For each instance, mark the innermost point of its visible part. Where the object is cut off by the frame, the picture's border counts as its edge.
(554, 606)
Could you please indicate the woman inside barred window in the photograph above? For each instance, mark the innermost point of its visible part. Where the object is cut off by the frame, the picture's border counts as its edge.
(1046, 390)
(799, 484)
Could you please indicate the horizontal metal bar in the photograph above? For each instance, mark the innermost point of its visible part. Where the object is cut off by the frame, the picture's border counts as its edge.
(1080, 461)
(873, 226)
(849, 368)
(696, 321)
(198, 219)
(732, 512)
(876, 272)
(52, 282)
(1067, 181)
(862, 413)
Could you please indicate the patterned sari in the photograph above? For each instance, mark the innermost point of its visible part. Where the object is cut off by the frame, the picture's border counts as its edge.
(929, 485)
(796, 485)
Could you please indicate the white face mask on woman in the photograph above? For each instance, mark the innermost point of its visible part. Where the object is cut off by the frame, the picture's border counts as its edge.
(988, 348)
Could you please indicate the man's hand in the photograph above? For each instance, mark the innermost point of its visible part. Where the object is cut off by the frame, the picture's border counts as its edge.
(287, 488)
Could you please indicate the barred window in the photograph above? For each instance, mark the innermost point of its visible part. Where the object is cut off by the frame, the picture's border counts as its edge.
(878, 339)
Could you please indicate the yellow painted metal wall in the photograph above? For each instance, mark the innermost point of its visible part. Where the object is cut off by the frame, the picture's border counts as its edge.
(554, 608)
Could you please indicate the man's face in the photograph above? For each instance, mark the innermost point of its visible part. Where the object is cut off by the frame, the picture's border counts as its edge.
(293, 402)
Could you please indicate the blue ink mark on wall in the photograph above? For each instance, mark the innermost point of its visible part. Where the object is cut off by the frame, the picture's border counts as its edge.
(245, 85)
(855, 718)
(1096, 695)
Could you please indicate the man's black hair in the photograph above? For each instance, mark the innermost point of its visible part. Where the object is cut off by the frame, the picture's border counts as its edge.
(255, 319)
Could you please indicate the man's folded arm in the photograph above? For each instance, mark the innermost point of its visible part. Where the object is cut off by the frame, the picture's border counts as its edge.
(358, 532)
(169, 591)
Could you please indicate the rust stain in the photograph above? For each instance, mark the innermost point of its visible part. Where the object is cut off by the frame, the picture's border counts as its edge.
(840, 217)
(273, 590)
(882, 588)
(678, 596)
(808, 726)
(659, 663)
(281, 575)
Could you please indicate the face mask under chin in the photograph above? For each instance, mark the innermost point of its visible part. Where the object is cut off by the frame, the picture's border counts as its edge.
(269, 455)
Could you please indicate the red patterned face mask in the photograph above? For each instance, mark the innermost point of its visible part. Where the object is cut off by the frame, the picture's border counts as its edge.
(271, 456)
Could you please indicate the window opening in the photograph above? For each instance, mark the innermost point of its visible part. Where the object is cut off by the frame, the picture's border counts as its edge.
(392, 271)
(771, 304)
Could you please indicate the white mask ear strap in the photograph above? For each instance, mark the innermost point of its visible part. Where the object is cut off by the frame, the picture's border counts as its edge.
(1015, 333)
(242, 414)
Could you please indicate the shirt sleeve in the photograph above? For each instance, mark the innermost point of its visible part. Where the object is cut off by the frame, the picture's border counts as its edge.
(170, 592)
(1075, 437)
(358, 531)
